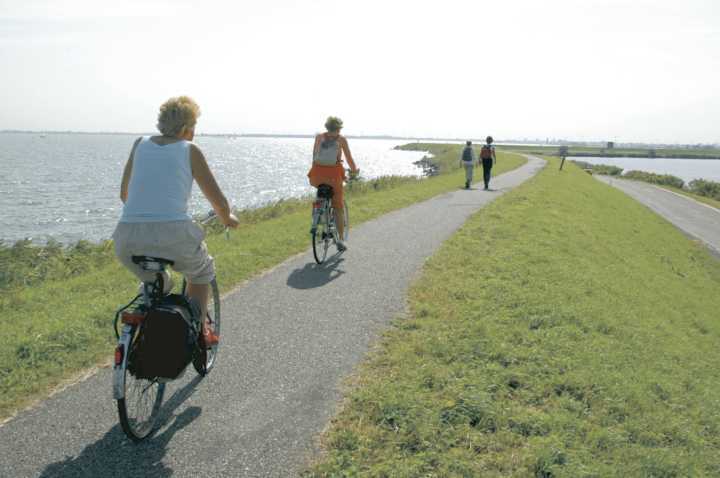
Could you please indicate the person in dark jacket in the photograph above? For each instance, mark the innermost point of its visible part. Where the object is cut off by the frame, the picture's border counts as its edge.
(487, 156)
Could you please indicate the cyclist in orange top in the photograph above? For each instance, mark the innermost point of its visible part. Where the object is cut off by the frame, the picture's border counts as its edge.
(327, 167)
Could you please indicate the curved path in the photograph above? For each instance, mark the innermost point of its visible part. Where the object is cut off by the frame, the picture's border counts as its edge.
(692, 217)
(289, 338)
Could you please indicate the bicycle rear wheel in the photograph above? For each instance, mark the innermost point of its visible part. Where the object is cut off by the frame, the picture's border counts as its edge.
(321, 237)
(139, 405)
(205, 359)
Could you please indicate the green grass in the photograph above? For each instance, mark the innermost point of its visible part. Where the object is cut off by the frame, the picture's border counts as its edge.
(57, 306)
(703, 199)
(597, 151)
(705, 191)
(564, 331)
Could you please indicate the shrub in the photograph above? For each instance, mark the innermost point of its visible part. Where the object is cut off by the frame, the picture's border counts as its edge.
(705, 188)
(605, 169)
(662, 179)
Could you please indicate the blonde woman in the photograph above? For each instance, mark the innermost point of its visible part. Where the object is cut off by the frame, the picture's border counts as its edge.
(327, 167)
(155, 189)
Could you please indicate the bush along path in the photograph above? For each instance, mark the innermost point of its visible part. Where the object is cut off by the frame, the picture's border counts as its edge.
(564, 331)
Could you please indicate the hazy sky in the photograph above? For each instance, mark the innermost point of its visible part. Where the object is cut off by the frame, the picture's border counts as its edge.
(580, 69)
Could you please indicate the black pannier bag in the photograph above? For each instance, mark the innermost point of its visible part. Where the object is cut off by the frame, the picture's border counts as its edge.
(325, 191)
(167, 341)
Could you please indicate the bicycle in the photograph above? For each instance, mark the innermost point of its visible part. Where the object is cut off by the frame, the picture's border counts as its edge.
(139, 399)
(323, 230)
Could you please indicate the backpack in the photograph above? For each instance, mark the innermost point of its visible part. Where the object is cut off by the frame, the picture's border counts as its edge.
(486, 152)
(167, 341)
(328, 152)
(467, 154)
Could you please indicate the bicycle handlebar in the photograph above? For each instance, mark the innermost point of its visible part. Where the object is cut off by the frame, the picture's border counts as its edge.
(211, 214)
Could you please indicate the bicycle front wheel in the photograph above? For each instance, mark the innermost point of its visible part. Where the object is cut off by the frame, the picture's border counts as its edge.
(139, 405)
(205, 360)
(321, 240)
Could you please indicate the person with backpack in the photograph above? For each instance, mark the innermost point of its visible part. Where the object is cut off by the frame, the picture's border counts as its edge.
(327, 168)
(468, 160)
(487, 156)
(155, 190)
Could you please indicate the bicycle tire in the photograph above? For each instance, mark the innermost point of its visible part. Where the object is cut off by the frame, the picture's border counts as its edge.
(206, 358)
(320, 240)
(346, 221)
(139, 407)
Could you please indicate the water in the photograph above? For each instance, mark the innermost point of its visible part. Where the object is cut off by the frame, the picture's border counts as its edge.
(67, 186)
(685, 169)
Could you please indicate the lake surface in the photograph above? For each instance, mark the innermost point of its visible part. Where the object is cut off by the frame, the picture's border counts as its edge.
(685, 169)
(67, 186)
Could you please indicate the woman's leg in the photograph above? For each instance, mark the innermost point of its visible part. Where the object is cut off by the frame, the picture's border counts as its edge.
(340, 222)
(487, 171)
(199, 293)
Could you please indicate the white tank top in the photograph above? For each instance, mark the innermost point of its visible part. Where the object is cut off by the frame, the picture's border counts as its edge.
(160, 183)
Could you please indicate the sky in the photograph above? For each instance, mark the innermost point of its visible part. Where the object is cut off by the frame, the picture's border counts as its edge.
(625, 71)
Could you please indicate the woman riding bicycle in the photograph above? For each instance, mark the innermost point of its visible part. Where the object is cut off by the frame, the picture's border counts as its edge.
(155, 189)
(327, 167)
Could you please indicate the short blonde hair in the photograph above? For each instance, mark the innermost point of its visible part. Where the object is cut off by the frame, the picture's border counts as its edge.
(177, 113)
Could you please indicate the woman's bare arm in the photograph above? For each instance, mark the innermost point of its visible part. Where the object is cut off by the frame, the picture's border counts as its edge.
(209, 187)
(127, 173)
(348, 155)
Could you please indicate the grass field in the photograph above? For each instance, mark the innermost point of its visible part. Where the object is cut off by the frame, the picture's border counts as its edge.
(591, 151)
(564, 331)
(57, 306)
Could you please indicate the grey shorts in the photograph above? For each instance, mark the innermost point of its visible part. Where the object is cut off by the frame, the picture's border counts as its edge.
(179, 241)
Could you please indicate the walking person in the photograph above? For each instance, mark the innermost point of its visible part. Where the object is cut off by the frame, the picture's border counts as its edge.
(487, 156)
(327, 168)
(468, 160)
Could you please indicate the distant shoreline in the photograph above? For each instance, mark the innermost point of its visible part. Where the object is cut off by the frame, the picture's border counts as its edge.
(536, 142)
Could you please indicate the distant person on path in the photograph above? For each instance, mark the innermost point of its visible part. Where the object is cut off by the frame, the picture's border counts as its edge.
(487, 156)
(327, 168)
(155, 189)
(468, 160)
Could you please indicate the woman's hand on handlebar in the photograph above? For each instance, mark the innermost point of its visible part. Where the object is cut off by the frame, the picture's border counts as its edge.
(231, 221)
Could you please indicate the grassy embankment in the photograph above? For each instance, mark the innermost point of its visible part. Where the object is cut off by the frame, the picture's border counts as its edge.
(57, 303)
(596, 151)
(564, 331)
(707, 192)
(703, 199)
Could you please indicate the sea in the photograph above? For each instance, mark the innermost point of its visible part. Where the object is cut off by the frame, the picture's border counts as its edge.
(66, 186)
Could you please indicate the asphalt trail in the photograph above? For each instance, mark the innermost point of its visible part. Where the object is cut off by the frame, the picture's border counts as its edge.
(289, 338)
(692, 217)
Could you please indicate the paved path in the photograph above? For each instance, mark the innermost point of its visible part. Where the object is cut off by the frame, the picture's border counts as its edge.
(694, 218)
(289, 338)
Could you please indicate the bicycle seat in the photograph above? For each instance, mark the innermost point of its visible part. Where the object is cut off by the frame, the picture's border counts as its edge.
(325, 191)
(152, 263)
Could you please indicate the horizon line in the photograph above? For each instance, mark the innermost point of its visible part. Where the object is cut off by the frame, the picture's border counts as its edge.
(539, 141)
